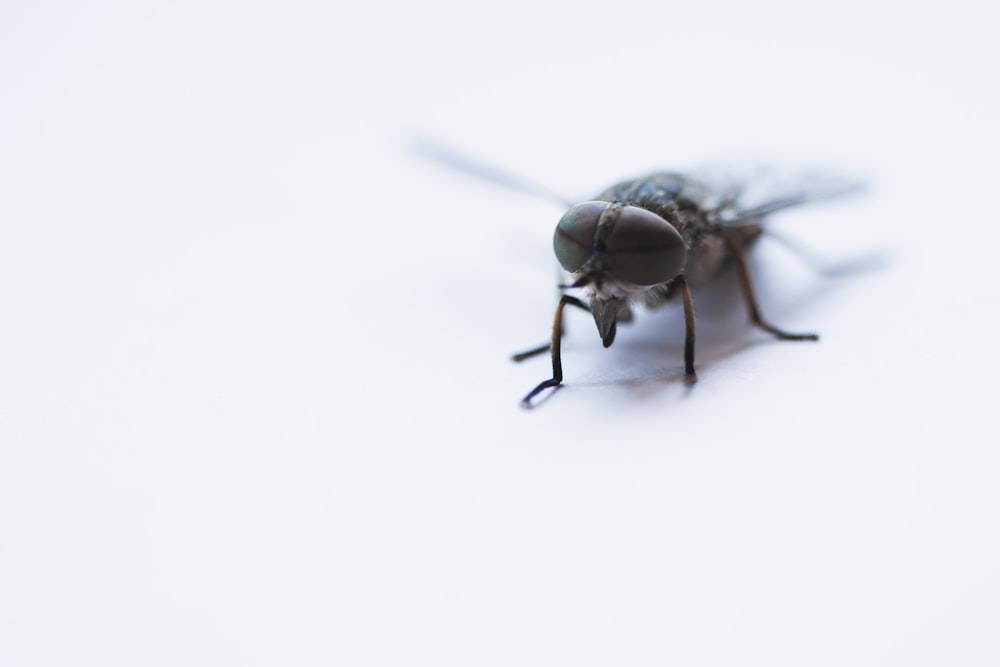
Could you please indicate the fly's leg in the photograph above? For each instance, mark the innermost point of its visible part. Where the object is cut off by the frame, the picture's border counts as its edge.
(825, 266)
(533, 352)
(743, 271)
(557, 331)
(689, 374)
(541, 349)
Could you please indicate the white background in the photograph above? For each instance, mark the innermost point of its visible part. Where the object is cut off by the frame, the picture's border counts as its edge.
(256, 406)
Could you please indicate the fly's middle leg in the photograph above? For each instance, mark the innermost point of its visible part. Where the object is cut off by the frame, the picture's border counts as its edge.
(746, 285)
(555, 346)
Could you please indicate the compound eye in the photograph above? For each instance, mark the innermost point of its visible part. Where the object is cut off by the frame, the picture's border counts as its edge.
(574, 237)
(644, 249)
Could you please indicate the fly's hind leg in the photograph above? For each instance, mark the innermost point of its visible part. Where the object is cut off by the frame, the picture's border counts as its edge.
(545, 347)
(555, 346)
(743, 271)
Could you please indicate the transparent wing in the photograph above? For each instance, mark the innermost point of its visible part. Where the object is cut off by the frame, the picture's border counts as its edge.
(469, 166)
(741, 195)
(746, 195)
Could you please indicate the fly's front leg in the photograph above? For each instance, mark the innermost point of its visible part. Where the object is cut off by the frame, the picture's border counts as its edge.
(545, 347)
(689, 374)
(743, 271)
(555, 345)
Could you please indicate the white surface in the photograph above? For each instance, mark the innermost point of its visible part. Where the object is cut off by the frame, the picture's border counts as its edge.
(255, 402)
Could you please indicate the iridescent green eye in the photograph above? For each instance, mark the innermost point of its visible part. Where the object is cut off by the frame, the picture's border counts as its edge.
(644, 249)
(574, 238)
(641, 248)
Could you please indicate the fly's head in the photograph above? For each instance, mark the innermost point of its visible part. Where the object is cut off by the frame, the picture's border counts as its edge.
(614, 249)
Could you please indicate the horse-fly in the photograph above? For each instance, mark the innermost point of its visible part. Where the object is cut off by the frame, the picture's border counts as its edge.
(649, 240)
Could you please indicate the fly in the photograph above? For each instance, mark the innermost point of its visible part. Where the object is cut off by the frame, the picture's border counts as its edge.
(648, 241)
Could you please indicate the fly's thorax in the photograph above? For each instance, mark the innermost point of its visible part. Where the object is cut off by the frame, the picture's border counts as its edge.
(614, 242)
